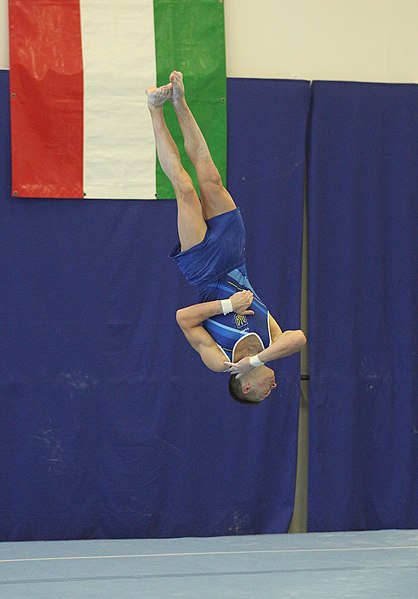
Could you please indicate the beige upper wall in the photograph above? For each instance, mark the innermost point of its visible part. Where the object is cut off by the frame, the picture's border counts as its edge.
(353, 40)
(360, 40)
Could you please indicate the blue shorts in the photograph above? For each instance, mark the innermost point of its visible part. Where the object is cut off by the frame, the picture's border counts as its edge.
(222, 250)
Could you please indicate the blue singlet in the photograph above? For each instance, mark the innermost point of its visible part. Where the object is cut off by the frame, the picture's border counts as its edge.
(216, 268)
(228, 329)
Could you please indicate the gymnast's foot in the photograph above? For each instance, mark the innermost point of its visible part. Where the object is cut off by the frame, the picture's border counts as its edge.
(157, 96)
(176, 79)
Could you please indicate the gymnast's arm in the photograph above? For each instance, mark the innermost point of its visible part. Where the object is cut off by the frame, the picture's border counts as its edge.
(190, 321)
(283, 344)
(206, 347)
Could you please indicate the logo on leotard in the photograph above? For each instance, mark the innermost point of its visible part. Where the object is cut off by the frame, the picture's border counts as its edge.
(240, 320)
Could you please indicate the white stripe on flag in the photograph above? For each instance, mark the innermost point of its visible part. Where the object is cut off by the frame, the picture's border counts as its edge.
(119, 64)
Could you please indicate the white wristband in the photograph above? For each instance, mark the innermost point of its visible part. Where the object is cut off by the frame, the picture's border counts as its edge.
(255, 361)
(226, 306)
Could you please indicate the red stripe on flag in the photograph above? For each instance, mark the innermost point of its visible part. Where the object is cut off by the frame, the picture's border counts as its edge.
(46, 85)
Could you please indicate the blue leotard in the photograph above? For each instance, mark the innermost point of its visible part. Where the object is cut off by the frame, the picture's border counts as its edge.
(216, 268)
(227, 330)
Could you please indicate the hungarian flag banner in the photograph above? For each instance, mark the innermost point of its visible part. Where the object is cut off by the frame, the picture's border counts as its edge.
(78, 74)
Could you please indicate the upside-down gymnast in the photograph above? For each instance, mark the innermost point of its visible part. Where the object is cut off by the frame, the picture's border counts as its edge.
(230, 327)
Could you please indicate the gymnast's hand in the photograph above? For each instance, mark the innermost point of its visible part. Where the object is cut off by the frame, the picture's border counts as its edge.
(239, 368)
(241, 301)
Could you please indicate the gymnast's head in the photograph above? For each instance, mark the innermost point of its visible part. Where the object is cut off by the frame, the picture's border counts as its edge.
(254, 386)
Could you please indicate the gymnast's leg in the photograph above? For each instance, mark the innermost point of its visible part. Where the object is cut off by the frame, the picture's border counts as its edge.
(214, 197)
(191, 224)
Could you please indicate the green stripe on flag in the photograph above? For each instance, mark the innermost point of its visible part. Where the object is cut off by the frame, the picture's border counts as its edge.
(190, 37)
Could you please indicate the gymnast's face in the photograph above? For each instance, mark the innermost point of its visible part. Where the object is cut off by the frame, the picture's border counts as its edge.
(259, 383)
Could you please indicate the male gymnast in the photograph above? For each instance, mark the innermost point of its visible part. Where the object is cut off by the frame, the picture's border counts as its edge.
(230, 327)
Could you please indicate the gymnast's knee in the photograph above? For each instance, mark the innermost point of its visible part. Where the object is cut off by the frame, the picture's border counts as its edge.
(209, 176)
(183, 186)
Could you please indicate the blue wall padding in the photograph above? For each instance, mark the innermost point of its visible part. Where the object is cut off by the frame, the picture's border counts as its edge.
(363, 256)
(111, 426)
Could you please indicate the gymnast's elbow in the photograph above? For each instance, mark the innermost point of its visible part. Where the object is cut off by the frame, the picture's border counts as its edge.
(182, 318)
(299, 340)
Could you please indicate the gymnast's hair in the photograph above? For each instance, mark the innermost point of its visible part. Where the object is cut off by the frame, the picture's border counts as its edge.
(236, 393)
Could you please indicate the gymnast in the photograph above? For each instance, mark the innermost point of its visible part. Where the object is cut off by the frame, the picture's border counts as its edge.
(230, 327)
